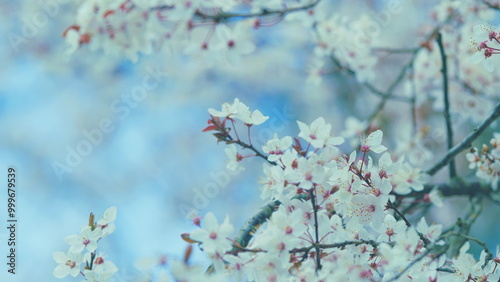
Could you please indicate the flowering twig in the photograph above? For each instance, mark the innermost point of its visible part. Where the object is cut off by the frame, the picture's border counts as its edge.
(466, 143)
(222, 134)
(390, 205)
(251, 147)
(447, 117)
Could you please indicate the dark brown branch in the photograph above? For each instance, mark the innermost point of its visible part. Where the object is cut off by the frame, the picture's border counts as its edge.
(316, 229)
(492, 6)
(447, 117)
(337, 245)
(247, 231)
(463, 226)
(411, 264)
(489, 254)
(391, 206)
(221, 17)
(466, 143)
(257, 152)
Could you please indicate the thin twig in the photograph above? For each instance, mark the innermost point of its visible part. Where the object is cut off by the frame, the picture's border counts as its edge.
(316, 229)
(447, 117)
(489, 254)
(463, 226)
(466, 143)
(370, 87)
(257, 152)
(422, 256)
(355, 243)
(394, 50)
(388, 95)
(390, 205)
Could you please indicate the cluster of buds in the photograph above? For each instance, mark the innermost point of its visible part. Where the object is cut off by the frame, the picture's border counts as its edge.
(487, 161)
(218, 125)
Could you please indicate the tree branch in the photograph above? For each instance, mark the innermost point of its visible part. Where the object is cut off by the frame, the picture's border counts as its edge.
(489, 254)
(466, 143)
(257, 152)
(411, 264)
(447, 117)
(246, 232)
(221, 17)
(492, 6)
(390, 205)
(316, 229)
(463, 227)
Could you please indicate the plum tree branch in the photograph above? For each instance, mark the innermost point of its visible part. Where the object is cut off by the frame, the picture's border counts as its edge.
(246, 232)
(316, 229)
(489, 254)
(463, 226)
(447, 116)
(491, 6)
(466, 143)
(222, 16)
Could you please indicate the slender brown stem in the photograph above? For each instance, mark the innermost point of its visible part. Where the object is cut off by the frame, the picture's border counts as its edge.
(447, 116)
(316, 229)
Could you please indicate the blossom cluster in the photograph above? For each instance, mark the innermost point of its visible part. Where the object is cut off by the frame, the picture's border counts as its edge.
(487, 38)
(132, 27)
(83, 251)
(336, 218)
(239, 111)
(487, 161)
(221, 32)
